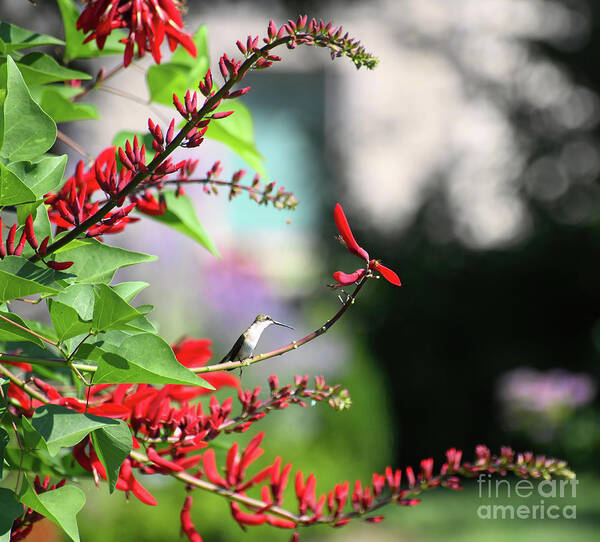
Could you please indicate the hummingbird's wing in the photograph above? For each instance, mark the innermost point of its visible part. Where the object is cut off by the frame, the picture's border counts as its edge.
(232, 354)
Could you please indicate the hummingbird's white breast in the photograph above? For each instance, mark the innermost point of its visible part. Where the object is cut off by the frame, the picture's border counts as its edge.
(253, 335)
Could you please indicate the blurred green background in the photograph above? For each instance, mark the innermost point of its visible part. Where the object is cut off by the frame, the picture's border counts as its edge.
(469, 163)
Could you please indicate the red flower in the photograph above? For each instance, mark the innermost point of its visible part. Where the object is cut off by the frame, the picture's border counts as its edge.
(345, 279)
(148, 21)
(192, 352)
(346, 233)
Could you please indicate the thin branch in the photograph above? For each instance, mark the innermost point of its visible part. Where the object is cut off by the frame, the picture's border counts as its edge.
(47, 362)
(28, 330)
(213, 488)
(275, 196)
(124, 94)
(32, 301)
(230, 365)
(226, 366)
(19, 383)
(97, 83)
(75, 146)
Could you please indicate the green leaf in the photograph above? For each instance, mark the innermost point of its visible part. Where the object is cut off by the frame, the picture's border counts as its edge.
(13, 38)
(72, 310)
(26, 131)
(110, 310)
(142, 358)
(237, 132)
(75, 48)
(19, 278)
(11, 333)
(128, 290)
(13, 190)
(66, 321)
(56, 102)
(44, 330)
(41, 176)
(4, 438)
(10, 509)
(31, 438)
(39, 462)
(81, 298)
(97, 262)
(60, 505)
(40, 69)
(61, 427)
(112, 444)
(181, 216)
(140, 324)
(180, 74)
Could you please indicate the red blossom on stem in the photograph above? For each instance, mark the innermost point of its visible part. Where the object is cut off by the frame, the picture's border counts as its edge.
(27, 236)
(147, 21)
(347, 238)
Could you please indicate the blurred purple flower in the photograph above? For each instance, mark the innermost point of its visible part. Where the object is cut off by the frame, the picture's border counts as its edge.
(537, 402)
(539, 391)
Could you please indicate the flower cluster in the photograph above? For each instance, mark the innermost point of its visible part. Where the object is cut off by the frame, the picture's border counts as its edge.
(171, 429)
(305, 32)
(27, 236)
(74, 203)
(147, 21)
(345, 501)
(280, 198)
(347, 239)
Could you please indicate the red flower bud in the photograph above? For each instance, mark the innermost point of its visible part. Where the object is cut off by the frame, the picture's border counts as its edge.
(222, 115)
(10, 240)
(59, 266)
(30, 233)
(19, 248)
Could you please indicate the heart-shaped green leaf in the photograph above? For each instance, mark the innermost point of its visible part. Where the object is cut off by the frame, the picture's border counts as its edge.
(26, 131)
(60, 505)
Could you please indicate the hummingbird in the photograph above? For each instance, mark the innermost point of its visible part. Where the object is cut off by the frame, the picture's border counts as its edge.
(245, 345)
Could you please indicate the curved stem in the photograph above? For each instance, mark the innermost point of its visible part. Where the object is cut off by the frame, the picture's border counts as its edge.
(75, 146)
(110, 74)
(220, 182)
(19, 383)
(28, 330)
(229, 365)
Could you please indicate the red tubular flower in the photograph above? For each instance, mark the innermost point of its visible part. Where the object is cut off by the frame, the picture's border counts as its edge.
(162, 462)
(59, 266)
(346, 233)
(244, 518)
(345, 279)
(148, 22)
(280, 522)
(386, 273)
(127, 482)
(187, 526)
(210, 468)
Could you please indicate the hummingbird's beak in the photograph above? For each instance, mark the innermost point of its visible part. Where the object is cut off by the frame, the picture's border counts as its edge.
(280, 324)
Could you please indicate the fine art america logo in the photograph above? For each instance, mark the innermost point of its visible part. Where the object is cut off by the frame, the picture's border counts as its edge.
(548, 499)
